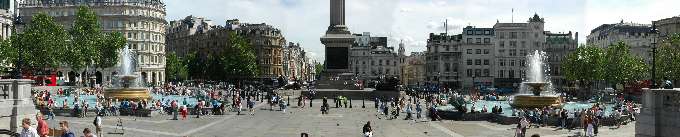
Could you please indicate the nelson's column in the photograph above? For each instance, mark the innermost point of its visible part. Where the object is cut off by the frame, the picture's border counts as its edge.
(338, 40)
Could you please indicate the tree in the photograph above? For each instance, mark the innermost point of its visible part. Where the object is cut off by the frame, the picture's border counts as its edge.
(621, 66)
(239, 59)
(41, 46)
(584, 65)
(175, 68)
(318, 68)
(109, 49)
(668, 59)
(86, 36)
(195, 65)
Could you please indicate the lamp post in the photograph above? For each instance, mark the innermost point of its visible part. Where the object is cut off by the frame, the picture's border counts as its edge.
(654, 40)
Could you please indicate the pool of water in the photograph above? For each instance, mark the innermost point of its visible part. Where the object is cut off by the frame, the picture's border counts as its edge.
(507, 109)
(91, 99)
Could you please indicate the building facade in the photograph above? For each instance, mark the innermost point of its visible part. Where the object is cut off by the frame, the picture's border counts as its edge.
(513, 42)
(637, 36)
(558, 46)
(414, 69)
(478, 57)
(195, 34)
(371, 58)
(668, 26)
(141, 22)
(268, 43)
(443, 58)
(295, 62)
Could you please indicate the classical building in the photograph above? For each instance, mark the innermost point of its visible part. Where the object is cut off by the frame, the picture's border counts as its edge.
(371, 58)
(558, 46)
(295, 62)
(443, 58)
(268, 43)
(513, 42)
(195, 34)
(637, 36)
(668, 26)
(414, 69)
(142, 22)
(6, 21)
(477, 57)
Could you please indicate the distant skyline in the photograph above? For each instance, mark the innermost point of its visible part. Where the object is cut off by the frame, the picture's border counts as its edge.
(304, 21)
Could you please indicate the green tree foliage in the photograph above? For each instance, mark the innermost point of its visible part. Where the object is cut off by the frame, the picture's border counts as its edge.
(175, 68)
(86, 36)
(585, 64)
(668, 58)
(239, 59)
(318, 68)
(41, 45)
(621, 66)
(109, 49)
(195, 64)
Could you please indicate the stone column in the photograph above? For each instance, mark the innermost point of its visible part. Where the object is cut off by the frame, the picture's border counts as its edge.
(18, 105)
(337, 12)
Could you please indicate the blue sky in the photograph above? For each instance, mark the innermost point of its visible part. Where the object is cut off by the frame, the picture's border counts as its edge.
(304, 21)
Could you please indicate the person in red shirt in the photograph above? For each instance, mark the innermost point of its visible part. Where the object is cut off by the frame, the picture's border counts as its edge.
(43, 128)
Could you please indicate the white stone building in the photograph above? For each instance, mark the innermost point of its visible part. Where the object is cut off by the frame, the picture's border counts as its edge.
(477, 56)
(513, 42)
(142, 22)
(637, 36)
(443, 58)
(371, 58)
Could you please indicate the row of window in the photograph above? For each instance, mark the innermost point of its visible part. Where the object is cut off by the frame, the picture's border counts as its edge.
(479, 40)
(502, 62)
(478, 62)
(478, 73)
(478, 51)
(380, 62)
(515, 35)
(512, 52)
(478, 32)
(151, 60)
(513, 44)
(154, 37)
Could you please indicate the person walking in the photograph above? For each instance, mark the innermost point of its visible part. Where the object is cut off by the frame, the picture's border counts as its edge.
(98, 125)
(175, 109)
(419, 110)
(27, 130)
(64, 127)
(367, 130)
(42, 128)
(88, 133)
(251, 105)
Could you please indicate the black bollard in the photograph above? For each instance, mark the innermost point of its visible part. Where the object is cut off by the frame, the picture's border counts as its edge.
(350, 102)
(363, 103)
(288, 102)
(310, 101)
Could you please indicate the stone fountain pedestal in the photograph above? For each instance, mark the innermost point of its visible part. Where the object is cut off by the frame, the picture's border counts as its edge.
(535, 100)
(128, 90)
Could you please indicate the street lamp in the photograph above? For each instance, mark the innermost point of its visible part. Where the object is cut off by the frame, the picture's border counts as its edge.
(654, 40)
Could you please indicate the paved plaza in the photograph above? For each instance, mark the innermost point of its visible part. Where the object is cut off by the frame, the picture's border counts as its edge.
(341, 122)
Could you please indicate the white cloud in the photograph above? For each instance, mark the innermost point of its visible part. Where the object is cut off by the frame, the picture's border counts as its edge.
(304, 21)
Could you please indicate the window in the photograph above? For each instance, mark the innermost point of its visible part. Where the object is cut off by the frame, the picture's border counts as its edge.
(511, 73)
(502, 44)
(447, 67)
(469, 51)
(487, 40)
(447, 48)
(512, 62)
(469, 62)
(478, 32)
(469, 40)
(486, 62)
(469, 72)
(513, 35)
(469, 32)
(486, 51)
(380, 62)
(513, 52)
(478, 72)
(500, 74)
(523, 43)
(487, 32)
(501, 51)
(523, 52)
(387, 62)
(478, 40)
(501, 62)
(486, 72)
(522, 63)
(502, 35)
(478, 62)
(363, 62)
(513, 44)
(478, 51)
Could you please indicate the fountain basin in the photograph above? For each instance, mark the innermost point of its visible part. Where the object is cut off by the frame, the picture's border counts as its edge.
(134, 94)
(532, 101)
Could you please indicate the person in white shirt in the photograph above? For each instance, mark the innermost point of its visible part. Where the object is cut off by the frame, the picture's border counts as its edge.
(27, 130)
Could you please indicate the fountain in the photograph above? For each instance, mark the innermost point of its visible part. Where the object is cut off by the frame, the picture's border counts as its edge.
(126, 85)
(536, 83)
